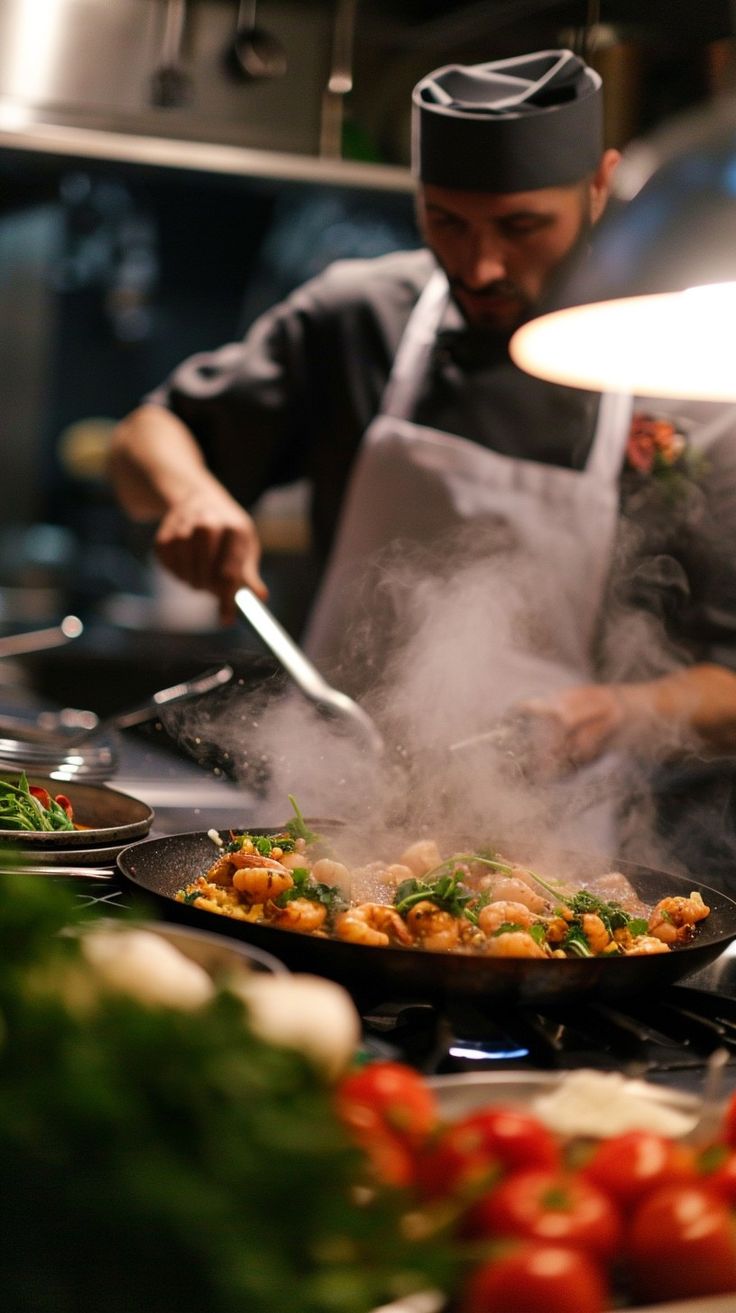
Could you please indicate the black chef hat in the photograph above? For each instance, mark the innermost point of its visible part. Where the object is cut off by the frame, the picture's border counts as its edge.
(511, 125)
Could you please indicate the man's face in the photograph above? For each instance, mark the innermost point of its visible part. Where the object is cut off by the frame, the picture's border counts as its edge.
(500, 252)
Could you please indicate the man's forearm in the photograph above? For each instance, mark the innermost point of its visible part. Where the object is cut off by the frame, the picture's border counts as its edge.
(154, 462)
(698, 704)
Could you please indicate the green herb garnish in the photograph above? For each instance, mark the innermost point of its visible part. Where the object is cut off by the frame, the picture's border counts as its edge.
(576, 943)
(305, 887)
(447, 893)
(298, 828)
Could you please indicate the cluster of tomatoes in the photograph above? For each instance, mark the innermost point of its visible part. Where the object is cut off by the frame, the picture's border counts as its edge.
(549, 1226)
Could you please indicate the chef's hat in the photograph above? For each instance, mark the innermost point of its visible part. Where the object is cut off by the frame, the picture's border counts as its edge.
(511, 125)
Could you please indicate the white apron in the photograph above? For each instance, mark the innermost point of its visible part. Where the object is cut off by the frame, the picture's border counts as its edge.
(557, 526)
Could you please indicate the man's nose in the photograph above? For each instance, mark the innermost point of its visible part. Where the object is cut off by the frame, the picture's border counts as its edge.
(484, 261)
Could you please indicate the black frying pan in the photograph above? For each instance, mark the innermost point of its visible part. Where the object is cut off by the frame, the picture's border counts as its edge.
(161, 866)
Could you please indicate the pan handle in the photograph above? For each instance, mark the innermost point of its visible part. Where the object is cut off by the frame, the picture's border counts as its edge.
(38, 640)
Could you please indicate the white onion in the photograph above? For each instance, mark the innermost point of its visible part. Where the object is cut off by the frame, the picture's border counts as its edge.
(147, 967)
(303, 1012)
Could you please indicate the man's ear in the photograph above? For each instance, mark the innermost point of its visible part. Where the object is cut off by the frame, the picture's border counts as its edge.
(600, 183)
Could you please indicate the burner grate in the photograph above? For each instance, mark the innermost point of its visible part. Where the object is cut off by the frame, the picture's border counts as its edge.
(672, 1035)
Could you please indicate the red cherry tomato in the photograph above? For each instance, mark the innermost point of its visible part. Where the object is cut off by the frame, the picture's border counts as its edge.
(65, 804)
(627, 1166)
(552, 1207)
(537, 1279)
(44, 797)
(477, 1148)
(681, 1243)
(390, 1111)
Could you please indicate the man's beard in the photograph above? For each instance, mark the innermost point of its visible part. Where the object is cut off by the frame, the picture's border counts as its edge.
(484, 317)
(506, 288)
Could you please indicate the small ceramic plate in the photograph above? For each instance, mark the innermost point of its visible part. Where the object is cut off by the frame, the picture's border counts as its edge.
(108, 817)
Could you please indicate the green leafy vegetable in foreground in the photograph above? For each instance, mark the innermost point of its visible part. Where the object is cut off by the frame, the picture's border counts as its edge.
(159, 1161)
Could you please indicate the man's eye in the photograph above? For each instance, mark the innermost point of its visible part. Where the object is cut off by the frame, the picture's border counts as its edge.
(524, 227)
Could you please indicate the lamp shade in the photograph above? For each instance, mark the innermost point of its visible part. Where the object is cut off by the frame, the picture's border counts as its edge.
(652, 308)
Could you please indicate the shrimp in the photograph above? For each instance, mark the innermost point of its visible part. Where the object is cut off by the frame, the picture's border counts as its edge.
(372, 923)
(433, 929)
(557, 929)
(298, 914)
(327, 871)
(507, 887)
(514, 943)
(596, 933)
(645, 946)
(673, 920)
(421, 857)
(296, 859)
(498, 914)
(395, 874)
(221, 871)
(259, 878)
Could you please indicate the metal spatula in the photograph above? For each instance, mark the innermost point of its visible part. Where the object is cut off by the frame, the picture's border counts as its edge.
(308, 679)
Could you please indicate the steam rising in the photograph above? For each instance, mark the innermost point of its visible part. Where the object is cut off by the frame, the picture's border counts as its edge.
(466, 648)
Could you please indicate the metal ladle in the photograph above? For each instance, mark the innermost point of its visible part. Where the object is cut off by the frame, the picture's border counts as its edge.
(254, 53)
(327, 699)
(171, 85)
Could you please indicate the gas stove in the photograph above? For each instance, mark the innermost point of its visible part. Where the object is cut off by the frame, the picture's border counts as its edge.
(666, 1038)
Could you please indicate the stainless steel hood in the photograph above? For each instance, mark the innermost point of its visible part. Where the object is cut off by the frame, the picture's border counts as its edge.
(83, 79)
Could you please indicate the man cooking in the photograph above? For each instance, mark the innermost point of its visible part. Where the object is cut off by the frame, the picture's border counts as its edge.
(388, 383)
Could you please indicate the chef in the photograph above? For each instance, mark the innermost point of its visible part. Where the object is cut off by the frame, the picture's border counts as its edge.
(388, 384)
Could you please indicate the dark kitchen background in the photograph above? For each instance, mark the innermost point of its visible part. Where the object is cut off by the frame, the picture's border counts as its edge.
(154, 198)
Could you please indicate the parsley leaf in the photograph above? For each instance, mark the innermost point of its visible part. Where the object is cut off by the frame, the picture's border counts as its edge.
(575, 941)
(305, 887)
(447, 892)
(298, 828)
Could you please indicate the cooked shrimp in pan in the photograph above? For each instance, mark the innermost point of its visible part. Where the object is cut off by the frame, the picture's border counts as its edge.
(298, 914)
(673, 920)
(493, 916)
(259, 878)
(372, 923)
(470, 902)
(433, 929)
(514, 943)
(510, 887)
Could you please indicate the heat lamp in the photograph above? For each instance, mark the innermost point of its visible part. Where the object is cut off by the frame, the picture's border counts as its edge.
(652, 311)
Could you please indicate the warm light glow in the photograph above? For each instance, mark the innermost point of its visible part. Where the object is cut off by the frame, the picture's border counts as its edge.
(676, 344)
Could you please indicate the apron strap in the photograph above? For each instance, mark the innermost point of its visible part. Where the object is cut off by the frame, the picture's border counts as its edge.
(411, 361)
(608, 448)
